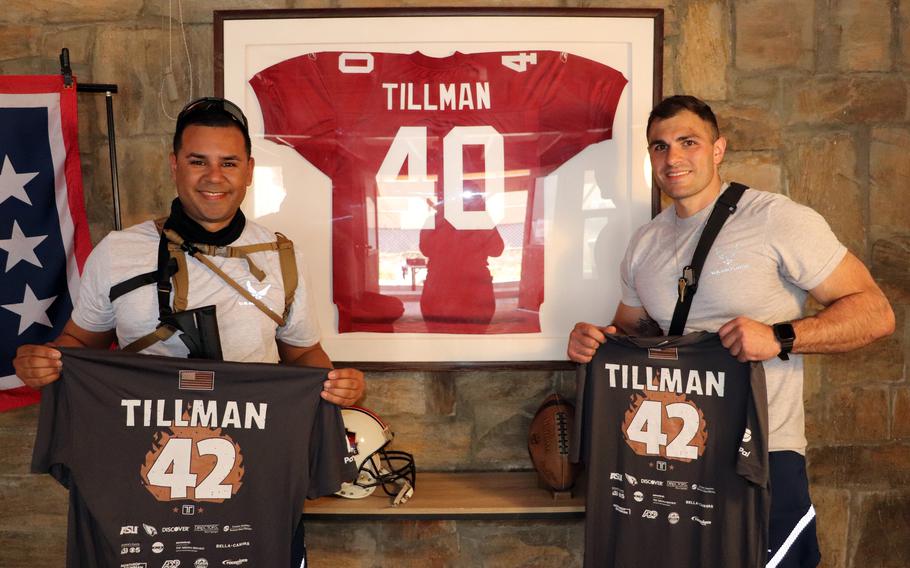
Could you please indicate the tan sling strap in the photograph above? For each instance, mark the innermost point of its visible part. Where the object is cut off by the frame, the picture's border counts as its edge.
(180, 279)
(288, 270)
(239, 252)
(288, 263)
(161, 333)
(197, 254)
(283, 245)
(177, 249)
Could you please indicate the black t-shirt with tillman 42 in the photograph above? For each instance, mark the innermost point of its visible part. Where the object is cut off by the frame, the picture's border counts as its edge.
(673, 432)
(187, 462)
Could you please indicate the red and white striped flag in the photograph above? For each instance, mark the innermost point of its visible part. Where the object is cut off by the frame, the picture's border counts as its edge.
(44, 238)
(196, 380)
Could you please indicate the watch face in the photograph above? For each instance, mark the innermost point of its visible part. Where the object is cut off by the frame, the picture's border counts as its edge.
(784, 332)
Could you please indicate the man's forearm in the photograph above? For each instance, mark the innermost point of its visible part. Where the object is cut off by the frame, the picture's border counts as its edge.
(315, 358)
(312, 356)
(848, 323)
(74, 336)
(67, 340)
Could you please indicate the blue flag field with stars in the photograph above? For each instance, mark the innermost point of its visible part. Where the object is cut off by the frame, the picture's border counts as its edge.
(44, 237)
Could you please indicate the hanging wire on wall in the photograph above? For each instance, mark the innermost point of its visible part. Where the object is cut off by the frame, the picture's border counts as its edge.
(168, 88)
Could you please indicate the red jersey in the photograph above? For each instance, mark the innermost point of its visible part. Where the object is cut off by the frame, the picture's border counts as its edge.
(443, 131)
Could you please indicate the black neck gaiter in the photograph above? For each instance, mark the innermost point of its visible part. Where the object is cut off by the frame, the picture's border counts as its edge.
(193, 232)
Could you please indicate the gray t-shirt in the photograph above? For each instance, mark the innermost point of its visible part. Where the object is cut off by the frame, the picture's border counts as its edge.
(766, 257)
(247, 334)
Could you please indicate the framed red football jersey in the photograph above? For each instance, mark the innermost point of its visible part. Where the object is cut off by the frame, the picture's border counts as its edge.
(455, 134)
(453, 196)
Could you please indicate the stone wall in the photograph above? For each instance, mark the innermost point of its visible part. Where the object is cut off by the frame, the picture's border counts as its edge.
(813, 97)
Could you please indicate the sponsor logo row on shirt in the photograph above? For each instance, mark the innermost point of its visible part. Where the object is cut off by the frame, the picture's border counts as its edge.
(680, 485)
(183, 546)
(657, 499)
(208, 529)
(653, 515)
(158, 547)
(177, 563)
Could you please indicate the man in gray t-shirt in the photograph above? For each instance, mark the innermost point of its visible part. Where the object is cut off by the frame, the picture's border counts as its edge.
(212, 167)
(769, 256)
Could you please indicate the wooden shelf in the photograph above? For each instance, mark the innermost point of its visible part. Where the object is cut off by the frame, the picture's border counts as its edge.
(432, 366)
(488, 495)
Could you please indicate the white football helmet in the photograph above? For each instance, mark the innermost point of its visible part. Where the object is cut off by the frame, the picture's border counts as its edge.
(393, 470)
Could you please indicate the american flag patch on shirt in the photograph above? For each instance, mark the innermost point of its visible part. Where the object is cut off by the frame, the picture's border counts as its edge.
(666, 353)
(196, 380)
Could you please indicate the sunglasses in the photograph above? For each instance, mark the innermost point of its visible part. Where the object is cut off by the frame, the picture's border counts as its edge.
(214, 103)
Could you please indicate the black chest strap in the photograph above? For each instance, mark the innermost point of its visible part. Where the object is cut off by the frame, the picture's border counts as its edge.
(138, 281)
(172, 274)
(688, 283)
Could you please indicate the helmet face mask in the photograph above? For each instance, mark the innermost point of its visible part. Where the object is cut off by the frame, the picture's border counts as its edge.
(368, 437)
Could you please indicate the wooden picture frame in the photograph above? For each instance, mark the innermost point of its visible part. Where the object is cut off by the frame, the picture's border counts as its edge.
(562, 250)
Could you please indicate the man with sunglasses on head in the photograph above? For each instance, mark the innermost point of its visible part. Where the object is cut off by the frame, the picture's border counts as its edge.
(206, 283)
(211, 166)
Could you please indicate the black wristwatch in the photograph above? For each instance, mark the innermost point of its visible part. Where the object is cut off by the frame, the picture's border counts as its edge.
(785, 335)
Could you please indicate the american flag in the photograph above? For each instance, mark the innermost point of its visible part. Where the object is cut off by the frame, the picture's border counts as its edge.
(44, 237)
(666, 353)
(196, 380)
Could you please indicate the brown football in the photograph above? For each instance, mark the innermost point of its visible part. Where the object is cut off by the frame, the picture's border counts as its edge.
(548, 442)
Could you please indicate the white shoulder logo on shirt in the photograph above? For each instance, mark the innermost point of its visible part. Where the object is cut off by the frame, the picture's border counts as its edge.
(258, 294)
(728, 260)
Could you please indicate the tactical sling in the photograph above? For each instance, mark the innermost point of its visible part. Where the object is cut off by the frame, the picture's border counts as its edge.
(172, 274)
(688, 283)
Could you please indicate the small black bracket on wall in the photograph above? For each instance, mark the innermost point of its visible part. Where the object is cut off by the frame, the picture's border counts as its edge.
(109, 90)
